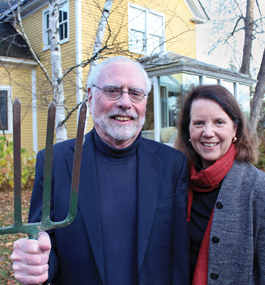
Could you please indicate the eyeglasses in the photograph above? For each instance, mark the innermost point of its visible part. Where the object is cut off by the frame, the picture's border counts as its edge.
(115, 93)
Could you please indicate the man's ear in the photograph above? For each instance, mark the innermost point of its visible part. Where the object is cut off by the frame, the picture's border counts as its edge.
(89, 97)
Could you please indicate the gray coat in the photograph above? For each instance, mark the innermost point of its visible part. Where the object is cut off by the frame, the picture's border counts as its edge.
(237, 240)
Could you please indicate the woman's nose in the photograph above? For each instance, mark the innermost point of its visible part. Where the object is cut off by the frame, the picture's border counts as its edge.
(208, 131)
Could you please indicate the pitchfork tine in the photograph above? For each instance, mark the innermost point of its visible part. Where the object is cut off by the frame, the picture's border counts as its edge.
(17, 162)
(32, 229)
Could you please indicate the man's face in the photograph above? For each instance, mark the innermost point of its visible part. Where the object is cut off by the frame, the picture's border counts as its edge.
(118, 122)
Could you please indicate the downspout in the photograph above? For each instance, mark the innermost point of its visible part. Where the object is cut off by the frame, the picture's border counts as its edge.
(34, 109)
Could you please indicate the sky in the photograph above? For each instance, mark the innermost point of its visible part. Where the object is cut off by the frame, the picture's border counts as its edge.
(222, 56)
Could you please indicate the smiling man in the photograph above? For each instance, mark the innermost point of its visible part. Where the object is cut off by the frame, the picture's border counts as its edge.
(131, 225)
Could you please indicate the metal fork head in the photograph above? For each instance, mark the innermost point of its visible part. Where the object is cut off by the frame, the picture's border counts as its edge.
(32, 229)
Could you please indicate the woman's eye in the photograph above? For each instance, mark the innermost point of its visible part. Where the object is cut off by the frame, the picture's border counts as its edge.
(219, 122)
(198, 123)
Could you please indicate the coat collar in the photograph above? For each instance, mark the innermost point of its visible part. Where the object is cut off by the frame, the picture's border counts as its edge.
(149, 177)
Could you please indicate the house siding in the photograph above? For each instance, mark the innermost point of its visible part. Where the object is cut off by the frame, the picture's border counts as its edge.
(19, 79)
(179, 33)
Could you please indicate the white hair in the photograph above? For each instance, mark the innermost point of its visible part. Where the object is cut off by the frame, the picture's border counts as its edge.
(95, 74)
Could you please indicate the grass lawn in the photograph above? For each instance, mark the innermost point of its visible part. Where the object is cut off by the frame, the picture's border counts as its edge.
(6, 241)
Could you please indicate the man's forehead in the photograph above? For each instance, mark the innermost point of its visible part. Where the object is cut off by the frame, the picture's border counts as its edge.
(121, 73)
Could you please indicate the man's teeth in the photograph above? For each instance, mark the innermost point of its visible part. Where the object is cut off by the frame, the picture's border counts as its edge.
(209, 144)
(122, 118)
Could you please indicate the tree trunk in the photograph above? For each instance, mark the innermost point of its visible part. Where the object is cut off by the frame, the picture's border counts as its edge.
(100, 32)
(58, 97)
(249, 23)
(258, 97)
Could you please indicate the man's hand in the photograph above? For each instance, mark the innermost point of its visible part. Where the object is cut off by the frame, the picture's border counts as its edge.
(30, 259)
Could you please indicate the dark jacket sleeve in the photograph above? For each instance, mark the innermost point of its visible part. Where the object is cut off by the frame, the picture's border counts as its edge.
(181, 255)
(35, 213)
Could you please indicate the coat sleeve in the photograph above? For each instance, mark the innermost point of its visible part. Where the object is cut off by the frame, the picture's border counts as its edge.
(181, 248)
(35, 212)
(261, 250)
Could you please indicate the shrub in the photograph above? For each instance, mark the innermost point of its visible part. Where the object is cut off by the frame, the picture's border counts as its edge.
(7, 165)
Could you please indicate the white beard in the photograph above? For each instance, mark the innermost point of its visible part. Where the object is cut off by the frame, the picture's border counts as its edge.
(120, 133)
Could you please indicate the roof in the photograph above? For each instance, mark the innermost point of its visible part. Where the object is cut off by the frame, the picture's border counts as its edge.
(165, 63)
(12, 44)
(27, 6)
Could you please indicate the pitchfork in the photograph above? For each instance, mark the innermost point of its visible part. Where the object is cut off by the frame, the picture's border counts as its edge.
(32, 229)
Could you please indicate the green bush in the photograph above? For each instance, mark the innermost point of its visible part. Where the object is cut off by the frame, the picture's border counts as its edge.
(7, 165)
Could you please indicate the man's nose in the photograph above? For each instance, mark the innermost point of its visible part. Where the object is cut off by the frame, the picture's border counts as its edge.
(124, 101)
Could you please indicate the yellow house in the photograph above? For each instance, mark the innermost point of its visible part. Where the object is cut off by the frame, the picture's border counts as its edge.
(135, 28)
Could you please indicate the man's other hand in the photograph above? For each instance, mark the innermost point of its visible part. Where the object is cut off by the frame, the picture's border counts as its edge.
(30, 259)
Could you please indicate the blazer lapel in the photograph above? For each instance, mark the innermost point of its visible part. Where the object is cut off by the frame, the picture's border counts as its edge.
(88, 201)
(149, 177)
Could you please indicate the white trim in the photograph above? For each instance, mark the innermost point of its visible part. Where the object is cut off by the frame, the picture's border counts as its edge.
(34, 110)
(78, 46)
(196, 9)
(22, 62)
(46, 46)
(9, 108)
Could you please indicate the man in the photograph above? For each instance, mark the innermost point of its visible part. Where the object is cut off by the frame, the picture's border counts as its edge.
(131, 225)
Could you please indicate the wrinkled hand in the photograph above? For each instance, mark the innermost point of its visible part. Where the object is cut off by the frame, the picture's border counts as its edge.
(30, 259)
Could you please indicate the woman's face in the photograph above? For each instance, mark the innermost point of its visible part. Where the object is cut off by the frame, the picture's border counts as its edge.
(211, 130)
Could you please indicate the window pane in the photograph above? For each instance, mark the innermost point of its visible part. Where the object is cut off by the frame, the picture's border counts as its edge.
(189, 81)
(229, 86)
(209, 81)
(65, 30)
(148, 128)
(155, 24)
(61, 32)
(137, 42)
(244, 101)
(3, 109)
(47, 20)
(138, 19)
(60, 16)
(171, 102)
(154, 44)
(64, 15)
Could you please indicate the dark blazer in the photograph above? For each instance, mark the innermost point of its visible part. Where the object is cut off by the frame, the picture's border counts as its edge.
(162, 234)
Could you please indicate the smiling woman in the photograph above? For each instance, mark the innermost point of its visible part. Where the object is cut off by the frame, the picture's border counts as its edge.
(226, 208)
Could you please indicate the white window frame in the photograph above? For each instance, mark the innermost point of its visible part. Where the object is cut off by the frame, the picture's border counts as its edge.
(147, 50)
(9, 109)
(45, 31)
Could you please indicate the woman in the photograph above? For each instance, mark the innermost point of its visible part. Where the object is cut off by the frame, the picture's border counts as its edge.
(226, 209)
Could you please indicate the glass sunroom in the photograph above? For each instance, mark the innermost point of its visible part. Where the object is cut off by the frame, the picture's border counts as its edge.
(172, 77)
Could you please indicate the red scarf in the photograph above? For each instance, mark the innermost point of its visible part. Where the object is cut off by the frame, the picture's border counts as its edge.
(205, 181)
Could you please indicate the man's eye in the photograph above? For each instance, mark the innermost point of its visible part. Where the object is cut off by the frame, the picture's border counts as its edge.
(136, 93)
(113, 90)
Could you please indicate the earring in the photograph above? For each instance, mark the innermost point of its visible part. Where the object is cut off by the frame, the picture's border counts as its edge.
(189, 140)
(234, 139)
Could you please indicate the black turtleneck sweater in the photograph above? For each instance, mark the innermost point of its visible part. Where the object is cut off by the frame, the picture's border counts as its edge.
(117, 184)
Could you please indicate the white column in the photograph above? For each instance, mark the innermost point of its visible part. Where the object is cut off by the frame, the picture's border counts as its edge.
(34, 109)
(78, 45)
(236, 91)
(157, 108)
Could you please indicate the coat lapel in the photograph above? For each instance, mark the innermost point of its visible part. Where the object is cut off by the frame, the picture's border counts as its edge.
(149, 177)
(88, 201)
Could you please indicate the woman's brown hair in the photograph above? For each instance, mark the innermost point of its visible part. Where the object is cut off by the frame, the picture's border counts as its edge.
(246, 145)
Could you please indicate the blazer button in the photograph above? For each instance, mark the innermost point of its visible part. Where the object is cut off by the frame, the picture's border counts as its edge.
(219, 205)
(215, 239)
(214, 276)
